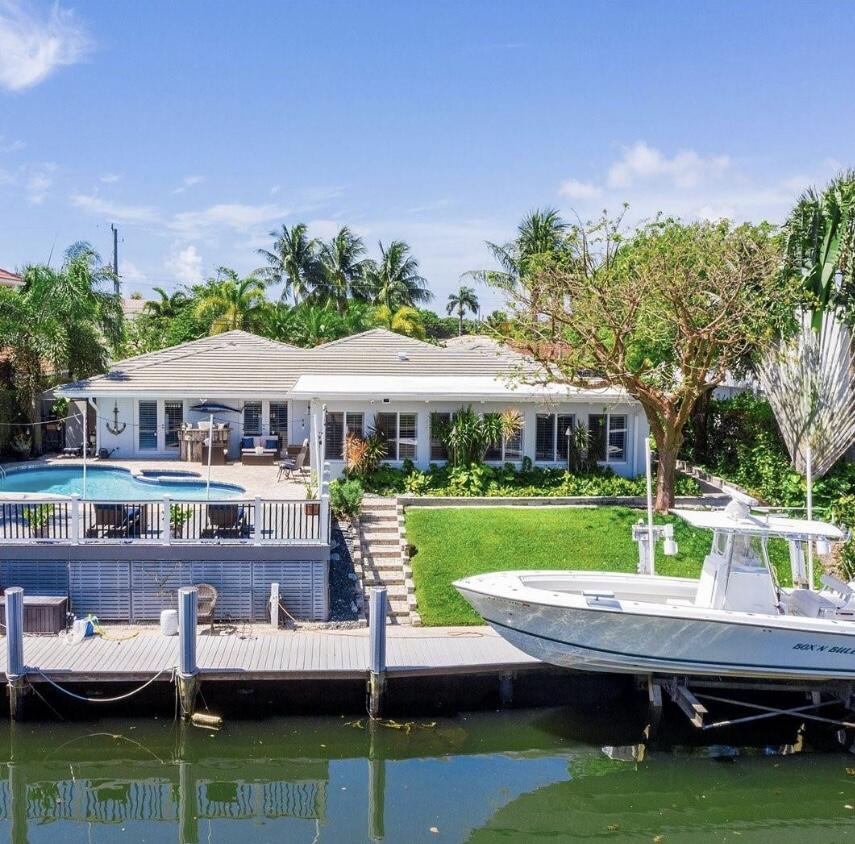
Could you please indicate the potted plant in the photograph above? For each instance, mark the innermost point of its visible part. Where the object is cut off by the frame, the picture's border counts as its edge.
(312, 507)
(38, 517)
(178, 515)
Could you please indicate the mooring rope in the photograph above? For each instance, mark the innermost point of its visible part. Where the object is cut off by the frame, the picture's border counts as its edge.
(102, 699)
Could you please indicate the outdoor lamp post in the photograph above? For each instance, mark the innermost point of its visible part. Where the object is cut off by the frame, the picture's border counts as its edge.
(568, 433)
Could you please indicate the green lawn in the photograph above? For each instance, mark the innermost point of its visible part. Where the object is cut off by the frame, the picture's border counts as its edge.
(456, 542)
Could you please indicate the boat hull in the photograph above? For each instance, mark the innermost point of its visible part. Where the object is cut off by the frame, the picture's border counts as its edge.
(618, 637)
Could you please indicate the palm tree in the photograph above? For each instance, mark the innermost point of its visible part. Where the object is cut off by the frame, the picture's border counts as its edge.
(405, 320)
(341, 266)
(394, 281)
(540, 233)
(169, 305)
(232, 302)
(465, 299)
(293, 261)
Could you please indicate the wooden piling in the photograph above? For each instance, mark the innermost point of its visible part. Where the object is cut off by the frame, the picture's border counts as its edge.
(15, 670)
(377, 644)
(188, 670)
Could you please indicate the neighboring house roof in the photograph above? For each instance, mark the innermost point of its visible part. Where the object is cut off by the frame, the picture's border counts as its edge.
(8, 279)
(238, 364)
(132, 308)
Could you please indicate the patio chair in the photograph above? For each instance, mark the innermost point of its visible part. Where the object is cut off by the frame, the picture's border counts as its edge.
(226, 521)
(289, 465)
(117, 521)
(207, 603)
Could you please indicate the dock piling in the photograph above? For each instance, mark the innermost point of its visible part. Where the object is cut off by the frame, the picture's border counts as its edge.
(377, 644)
(15, 671)
(188, 671)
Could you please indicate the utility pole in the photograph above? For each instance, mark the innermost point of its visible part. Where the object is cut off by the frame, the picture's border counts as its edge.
(115, 258)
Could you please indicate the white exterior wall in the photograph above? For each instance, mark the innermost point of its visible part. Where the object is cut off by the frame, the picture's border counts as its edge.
(637, 427)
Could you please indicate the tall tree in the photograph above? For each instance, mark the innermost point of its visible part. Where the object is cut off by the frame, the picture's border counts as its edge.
(394, 281)
(230, 302)
(292, 261)
(168, 305)
(464, 299)
(663, 312)
(341, 265)
(405, 320)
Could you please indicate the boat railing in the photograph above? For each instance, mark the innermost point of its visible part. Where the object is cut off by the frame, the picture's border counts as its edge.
(164, 521)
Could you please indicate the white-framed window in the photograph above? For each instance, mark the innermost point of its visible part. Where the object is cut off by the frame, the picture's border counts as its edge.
(147, 425)
(508, 450)
(278, 420)
(252, 419)
(173, 412)
(438, 421)
(400, 430)
(608, 433)
(339, 426)
(550, 442)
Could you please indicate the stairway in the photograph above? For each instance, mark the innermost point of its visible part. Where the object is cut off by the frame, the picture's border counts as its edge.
(384, 558)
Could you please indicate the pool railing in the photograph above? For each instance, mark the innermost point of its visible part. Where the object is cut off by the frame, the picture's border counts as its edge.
(54, 520)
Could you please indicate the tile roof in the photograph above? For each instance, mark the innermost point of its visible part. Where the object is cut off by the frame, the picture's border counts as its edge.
(8, 279)
(238, 364)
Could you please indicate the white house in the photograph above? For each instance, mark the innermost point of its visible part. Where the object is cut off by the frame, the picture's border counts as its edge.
(374, 380)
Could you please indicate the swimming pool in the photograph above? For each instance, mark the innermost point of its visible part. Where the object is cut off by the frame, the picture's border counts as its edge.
(105, 483)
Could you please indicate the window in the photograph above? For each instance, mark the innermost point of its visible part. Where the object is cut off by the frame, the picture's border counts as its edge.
(174, 412)
(334, 436)
(279, 420)
(355, 423)
(544, 439)
(438, 448)
(617, 439)
(252, 419)
(400, 432)
(508, 450)
(607, 428)
(147, 430)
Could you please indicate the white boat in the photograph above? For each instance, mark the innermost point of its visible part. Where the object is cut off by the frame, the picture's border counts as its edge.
(735, 621)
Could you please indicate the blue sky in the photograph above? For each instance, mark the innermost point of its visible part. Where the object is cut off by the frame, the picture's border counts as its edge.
(197, 127)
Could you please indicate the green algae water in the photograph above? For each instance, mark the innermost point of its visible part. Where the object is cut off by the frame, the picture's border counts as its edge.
(524, 776)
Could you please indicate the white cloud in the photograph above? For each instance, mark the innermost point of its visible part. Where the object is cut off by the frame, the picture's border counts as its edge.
(110, 178)
(643, 163)
(185, 265)
(275, 189)
(574, 189)
(39, 179)
(188, 182)
(11, 146)
(236, 216)
(107, 209)
(130, 272)
(33, 45)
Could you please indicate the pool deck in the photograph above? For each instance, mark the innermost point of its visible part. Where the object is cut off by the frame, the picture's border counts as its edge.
(258, 481)
(258, 652)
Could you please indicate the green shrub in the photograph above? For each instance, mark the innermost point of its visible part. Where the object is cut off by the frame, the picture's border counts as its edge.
(346, 497)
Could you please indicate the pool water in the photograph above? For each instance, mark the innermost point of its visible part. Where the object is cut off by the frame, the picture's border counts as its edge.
(110, 484)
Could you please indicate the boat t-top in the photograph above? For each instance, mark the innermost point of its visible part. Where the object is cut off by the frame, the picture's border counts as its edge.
(736, 620)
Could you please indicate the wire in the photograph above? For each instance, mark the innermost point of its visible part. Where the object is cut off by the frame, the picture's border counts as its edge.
(103, 699)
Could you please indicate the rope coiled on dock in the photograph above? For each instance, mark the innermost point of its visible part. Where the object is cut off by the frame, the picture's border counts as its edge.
(102, 699)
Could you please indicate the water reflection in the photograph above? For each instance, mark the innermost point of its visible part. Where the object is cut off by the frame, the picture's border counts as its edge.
(482, 778)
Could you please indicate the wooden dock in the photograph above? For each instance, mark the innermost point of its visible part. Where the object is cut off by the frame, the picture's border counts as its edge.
(278, 656)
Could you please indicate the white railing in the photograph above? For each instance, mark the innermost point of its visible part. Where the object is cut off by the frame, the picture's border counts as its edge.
(165, 521)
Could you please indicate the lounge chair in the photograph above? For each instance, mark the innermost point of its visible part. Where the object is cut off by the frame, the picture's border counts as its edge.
(259, 451)
(289, 465)
(118, 521)
(226, 521)
(207, 603)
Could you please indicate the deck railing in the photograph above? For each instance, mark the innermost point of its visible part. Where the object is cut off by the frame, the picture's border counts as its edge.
(164, 521)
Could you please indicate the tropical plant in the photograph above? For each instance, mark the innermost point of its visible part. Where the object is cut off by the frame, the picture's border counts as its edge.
(229, 302)
(469, 435)
(405, 320)
(168, 306)
(394, 281)
(362, 455)
(346, 497)
(465, 299)
(341, 267)
(292, 262)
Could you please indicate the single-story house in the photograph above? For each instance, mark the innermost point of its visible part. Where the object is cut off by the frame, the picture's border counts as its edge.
(373, 380)
(10, 279)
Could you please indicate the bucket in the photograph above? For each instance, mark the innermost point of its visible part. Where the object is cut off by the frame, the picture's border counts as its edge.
(169, 623)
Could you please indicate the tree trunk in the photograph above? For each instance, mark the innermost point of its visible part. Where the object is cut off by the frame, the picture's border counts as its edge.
(666, 475)
(700, 428)
(460, 323)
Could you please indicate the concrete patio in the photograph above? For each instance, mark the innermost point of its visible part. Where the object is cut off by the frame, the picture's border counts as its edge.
(258, 481)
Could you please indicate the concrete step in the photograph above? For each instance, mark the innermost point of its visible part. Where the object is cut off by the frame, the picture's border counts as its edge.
(374, 550)
(384, 579)
(373, 504)
(379, 518)
(387, 537)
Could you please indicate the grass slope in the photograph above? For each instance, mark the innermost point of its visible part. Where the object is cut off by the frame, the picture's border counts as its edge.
(457, 542)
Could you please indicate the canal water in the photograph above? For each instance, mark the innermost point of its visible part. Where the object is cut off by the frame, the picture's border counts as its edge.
(523, 776)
